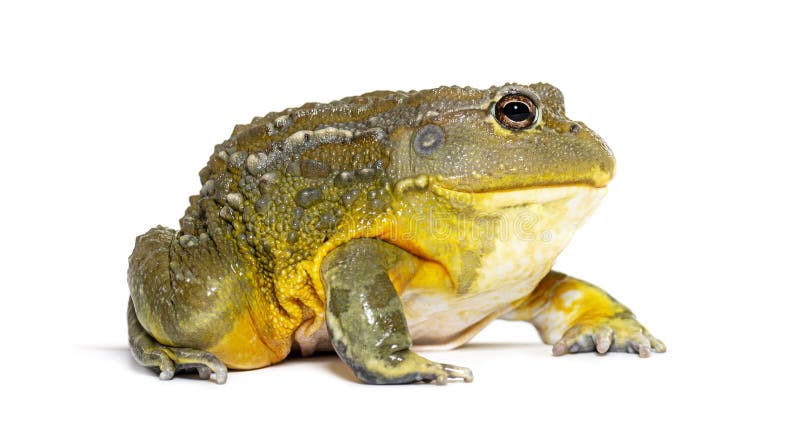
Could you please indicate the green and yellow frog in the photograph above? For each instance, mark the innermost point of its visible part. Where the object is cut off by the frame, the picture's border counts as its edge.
(375, 222)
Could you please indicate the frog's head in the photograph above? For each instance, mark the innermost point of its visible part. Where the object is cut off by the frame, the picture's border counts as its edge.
(501, 173)
(505, 138)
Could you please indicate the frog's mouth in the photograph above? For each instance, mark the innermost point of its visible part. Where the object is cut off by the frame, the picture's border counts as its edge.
(495, 200)
(518, 168)
(595, 176)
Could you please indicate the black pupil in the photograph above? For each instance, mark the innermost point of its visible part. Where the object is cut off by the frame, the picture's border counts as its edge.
(517, 111)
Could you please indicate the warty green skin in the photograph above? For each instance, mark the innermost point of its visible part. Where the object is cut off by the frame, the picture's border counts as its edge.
(279, 188)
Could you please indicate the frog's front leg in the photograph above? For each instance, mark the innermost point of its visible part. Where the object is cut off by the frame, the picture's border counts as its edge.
(576, 316)
(366, 321)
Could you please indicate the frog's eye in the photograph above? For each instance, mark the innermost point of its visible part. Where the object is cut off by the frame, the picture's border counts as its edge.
(516, 111)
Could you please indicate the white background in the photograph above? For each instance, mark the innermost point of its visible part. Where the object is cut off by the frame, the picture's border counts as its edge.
(107, 113)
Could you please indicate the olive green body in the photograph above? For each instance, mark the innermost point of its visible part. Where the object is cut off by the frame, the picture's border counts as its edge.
(385, 216)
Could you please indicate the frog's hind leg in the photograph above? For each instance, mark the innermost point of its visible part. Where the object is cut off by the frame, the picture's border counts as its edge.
(171, 327)
(366, 321)
(167, 360)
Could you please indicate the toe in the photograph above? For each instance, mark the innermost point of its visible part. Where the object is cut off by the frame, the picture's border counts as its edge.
(167, 369)
(161, 363)
(166, 374)
(602, 339)
(208, 365)
(458, 372)
(560, 348)
(656, 344)
(204, 372)
(641, 345)
(644, 350)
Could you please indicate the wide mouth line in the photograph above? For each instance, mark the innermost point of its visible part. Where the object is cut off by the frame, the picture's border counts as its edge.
(524, 197)
(519, 188)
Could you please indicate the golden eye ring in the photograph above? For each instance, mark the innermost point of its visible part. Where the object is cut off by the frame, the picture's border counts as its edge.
(516, 111)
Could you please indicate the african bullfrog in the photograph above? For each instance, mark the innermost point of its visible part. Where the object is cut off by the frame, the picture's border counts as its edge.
(375, 222)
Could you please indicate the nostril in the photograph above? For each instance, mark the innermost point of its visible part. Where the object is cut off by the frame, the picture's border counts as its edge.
(574, 128)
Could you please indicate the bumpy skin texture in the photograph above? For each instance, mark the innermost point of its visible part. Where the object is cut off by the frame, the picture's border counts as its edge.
(390, 216)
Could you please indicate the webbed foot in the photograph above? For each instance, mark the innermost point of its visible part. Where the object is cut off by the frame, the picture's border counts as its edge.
(620, 334)
(167, 360)
(406, 367)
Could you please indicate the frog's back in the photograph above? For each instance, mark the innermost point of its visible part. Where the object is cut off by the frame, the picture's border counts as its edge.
(284, 183)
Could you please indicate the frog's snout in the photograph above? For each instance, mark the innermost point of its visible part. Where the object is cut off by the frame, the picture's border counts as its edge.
(605, 169)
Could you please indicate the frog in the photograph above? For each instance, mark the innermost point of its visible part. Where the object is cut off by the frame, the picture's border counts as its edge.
(378, 226)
